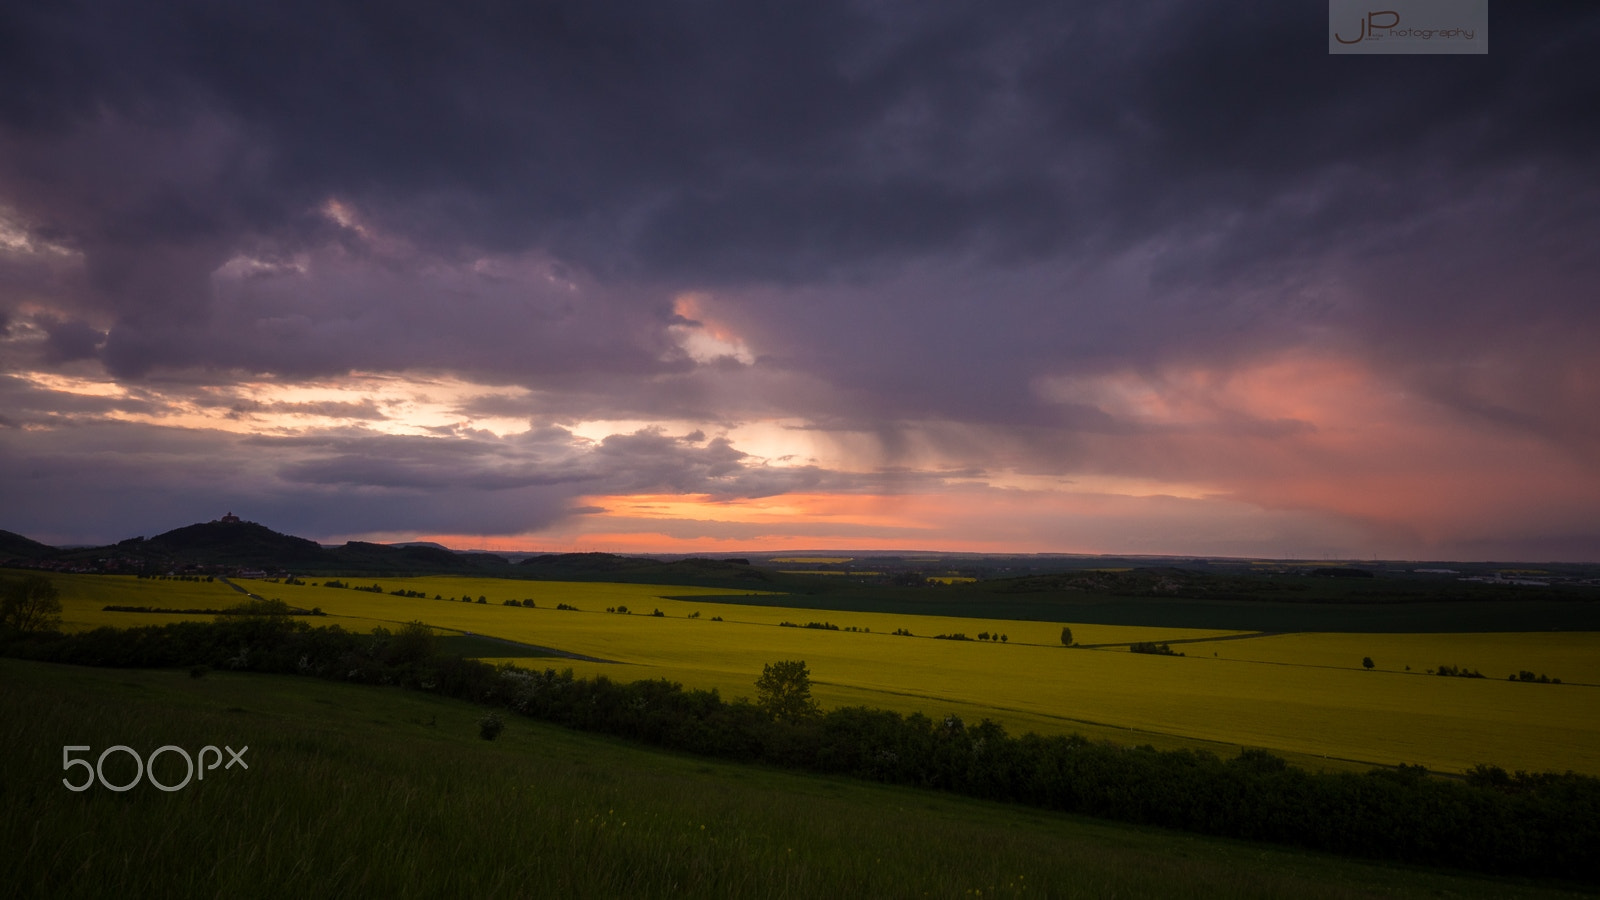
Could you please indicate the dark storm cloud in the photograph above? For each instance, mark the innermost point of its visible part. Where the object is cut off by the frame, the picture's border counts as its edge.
(727, 144)
(654, 462)
(70, 339)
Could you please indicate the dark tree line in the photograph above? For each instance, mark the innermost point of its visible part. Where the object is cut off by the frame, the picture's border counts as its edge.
(1511, 823)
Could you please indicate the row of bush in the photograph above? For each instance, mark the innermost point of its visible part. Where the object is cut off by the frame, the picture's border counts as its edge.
(200, 578)
(1152, 647)
(1543, 825)
(243, 609)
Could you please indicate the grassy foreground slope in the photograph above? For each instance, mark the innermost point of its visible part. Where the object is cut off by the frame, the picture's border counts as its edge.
(357, 791)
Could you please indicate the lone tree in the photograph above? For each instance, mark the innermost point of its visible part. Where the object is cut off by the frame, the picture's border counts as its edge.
(30, 604)
(1366, 662)
(784, 689)
(1066, 636)
(413, 644)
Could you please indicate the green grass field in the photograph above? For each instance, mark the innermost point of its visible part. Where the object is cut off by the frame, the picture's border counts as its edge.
(1305, 696)
(362, 791)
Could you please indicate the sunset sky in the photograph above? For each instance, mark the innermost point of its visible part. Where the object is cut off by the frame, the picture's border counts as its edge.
(1157, 278)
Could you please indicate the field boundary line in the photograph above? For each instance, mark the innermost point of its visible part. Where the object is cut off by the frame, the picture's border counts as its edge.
(1375, 671)
(549, 651)
(1207, 640)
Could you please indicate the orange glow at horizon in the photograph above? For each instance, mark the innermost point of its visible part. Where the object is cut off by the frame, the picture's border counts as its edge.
(1322, 449)
(861, 509)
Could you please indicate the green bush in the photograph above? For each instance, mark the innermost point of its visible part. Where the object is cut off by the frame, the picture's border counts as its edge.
(490, 726)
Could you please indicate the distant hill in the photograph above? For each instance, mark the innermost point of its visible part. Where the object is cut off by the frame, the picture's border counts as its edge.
(234, 543)
(582, 563)
(1152, 581)
(15, 546)
(231, 543)
(363, 556)
(696, 571)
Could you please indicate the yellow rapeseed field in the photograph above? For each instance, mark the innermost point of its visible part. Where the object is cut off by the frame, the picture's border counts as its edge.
(84, 598)
(1305, 695)
(1570, 656)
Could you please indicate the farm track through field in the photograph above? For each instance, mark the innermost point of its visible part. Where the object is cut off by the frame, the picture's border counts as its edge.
(1226, 746)
(236, 587)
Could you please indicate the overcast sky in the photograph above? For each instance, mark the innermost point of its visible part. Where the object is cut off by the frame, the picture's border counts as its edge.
(687, 277)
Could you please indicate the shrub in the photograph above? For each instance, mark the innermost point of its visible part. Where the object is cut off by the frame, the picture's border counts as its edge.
(490, 726)
(1153, 648)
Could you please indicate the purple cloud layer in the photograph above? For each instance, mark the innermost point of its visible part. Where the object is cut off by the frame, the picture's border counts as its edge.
(941, 238)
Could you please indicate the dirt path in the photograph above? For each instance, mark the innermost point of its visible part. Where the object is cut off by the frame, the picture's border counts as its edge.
(224, 580)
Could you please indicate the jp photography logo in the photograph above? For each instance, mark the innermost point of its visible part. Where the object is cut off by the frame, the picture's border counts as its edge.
(121, 768)
(1408, 26)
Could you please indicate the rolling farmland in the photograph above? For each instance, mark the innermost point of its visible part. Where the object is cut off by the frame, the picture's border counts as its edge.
(1303, 695)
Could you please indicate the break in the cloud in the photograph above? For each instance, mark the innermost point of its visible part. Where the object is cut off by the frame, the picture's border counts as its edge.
(1022, 277)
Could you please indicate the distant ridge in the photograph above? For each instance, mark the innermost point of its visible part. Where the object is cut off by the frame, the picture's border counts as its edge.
(1051, 587)
(15, 546)
(231, 545)
(693, 570)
